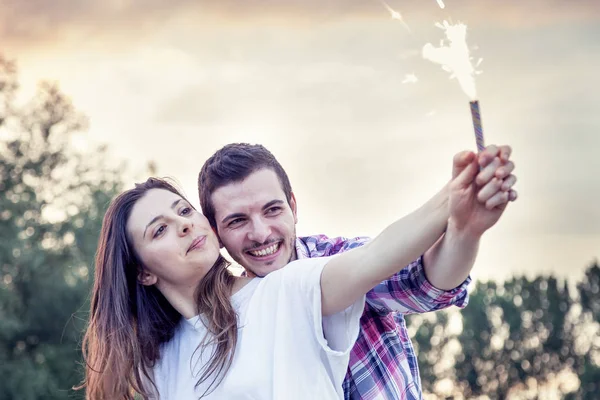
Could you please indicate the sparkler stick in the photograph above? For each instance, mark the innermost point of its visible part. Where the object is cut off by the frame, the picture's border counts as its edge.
(476, 117)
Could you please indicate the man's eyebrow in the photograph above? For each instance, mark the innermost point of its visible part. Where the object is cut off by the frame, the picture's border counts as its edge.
(241, 215)
(272, 203)
(159, 217)
(232, 216)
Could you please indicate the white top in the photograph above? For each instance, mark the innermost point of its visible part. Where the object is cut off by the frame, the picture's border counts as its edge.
(285, 349)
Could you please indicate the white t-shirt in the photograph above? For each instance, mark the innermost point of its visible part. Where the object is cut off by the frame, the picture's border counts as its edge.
(285, 349)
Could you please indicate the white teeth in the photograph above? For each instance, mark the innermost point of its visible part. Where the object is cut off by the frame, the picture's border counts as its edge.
(266, 252)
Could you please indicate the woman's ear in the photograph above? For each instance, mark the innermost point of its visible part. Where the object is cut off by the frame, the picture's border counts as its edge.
(146, 278)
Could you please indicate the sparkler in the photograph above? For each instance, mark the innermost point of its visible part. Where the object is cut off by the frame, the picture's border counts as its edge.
(396, 15)
(453, 55)
(410, 78)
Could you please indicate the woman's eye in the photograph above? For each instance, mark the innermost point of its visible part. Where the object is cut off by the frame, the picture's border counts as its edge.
(160, 230)
(186, 211)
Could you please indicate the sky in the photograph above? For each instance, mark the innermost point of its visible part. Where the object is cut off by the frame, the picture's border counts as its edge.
(340, 93)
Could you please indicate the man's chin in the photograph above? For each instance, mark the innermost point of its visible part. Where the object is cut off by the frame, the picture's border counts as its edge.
(265, 269)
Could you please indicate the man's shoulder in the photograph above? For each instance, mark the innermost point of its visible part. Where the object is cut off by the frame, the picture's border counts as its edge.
(323, 245)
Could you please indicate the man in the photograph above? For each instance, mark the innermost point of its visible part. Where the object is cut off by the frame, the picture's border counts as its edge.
(248, 199)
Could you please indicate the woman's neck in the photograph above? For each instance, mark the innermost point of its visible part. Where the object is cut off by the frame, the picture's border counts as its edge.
(184, 301)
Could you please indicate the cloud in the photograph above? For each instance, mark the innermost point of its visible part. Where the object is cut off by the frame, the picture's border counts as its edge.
(221, 76)
(37, 22)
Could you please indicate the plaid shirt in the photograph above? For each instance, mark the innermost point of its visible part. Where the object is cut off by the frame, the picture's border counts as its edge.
(383, 365)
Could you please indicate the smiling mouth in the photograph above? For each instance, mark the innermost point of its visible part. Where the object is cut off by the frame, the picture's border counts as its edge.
(272, 249)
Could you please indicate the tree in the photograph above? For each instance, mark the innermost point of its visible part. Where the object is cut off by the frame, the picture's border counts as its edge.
(589, 344)
(51, 204)
(434, 342)
(513, 333)
(520, 339)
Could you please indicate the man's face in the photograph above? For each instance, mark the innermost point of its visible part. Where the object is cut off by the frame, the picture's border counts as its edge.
(255, 223)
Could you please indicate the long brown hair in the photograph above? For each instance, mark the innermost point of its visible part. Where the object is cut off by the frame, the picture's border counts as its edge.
(129, 321)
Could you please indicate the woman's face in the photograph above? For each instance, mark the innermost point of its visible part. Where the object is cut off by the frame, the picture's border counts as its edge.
(175, 243)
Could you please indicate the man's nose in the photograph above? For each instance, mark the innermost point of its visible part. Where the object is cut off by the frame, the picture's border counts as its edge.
(260, 231)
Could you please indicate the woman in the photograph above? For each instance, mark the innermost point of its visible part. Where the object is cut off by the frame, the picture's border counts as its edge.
(168, 320)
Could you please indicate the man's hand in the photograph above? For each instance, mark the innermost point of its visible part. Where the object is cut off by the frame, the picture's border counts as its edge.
(478, 193)
(480, 189)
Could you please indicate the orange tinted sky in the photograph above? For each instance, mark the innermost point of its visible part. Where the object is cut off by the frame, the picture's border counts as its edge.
(321, 86)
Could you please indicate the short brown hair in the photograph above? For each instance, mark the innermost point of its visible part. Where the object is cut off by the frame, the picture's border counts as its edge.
(234, 163)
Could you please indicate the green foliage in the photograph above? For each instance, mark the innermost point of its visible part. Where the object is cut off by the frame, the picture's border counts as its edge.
(517, 336)
(516, 333)
(52, 200)
(589, 368)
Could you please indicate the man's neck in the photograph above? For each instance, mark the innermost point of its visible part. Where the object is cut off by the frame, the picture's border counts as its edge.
(294, 255)
(239, 283)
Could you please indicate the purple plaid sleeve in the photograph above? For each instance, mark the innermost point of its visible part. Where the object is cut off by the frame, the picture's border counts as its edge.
(383, 364)
(409, 292)
(322, 246)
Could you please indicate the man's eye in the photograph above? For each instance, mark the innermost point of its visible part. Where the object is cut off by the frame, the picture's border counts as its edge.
(273, 210)
(160, 230)
(236, 221)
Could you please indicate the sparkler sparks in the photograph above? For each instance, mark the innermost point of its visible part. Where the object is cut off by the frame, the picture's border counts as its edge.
(453, 55)
(410, 78)
(396, 15)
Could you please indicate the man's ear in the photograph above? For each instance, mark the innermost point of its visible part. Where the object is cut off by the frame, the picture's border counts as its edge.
(146, 278)
(294, 207)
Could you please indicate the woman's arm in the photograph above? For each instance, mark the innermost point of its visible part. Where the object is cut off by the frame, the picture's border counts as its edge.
(350, 275)
(470, 208)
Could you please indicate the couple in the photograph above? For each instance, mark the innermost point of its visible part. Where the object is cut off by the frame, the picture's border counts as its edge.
(168, 320)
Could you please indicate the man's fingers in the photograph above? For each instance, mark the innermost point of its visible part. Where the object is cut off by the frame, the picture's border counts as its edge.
(488, 155)
(504, 170)
(460, 161)
(505, 152)
(508, 183)
(489, 190)
(467, 175)
(487, 173)
(493, 151)
(512, 195)
(500, 199)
